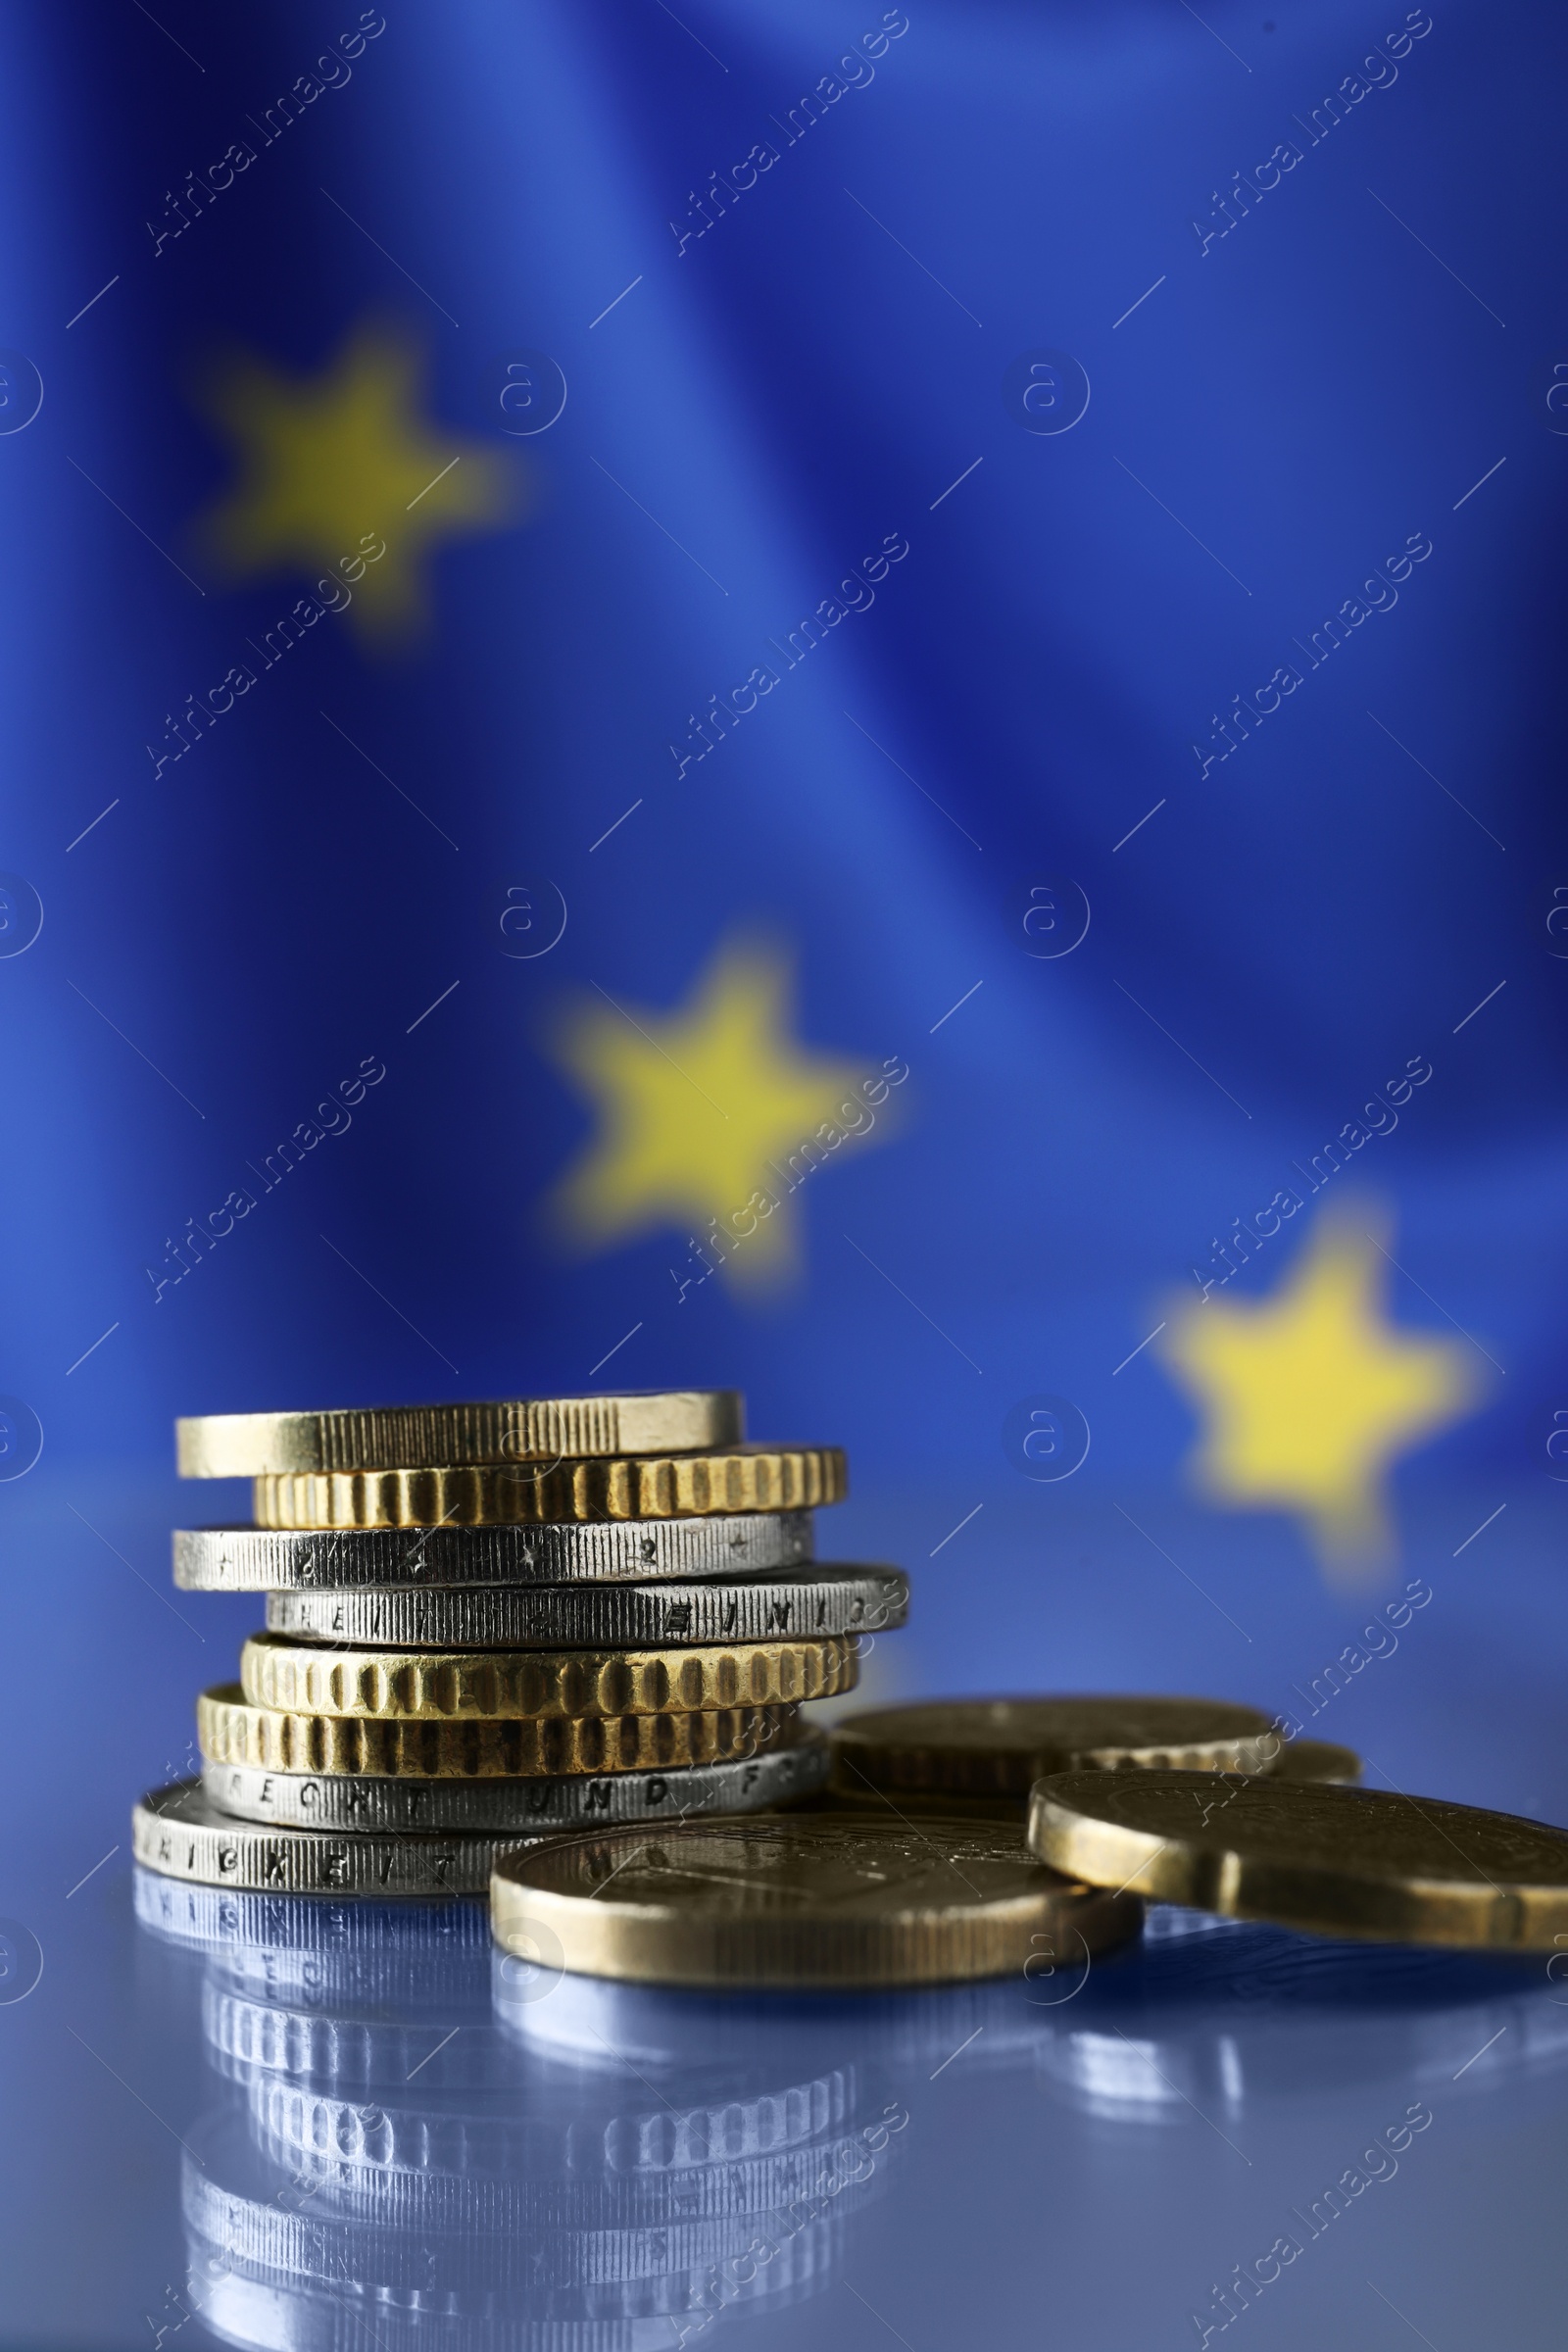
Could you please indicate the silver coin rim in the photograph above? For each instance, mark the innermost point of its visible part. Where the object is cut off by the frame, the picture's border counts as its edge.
(186, 1806)
(596, 1616)
(807, 1756)
(263, 1559)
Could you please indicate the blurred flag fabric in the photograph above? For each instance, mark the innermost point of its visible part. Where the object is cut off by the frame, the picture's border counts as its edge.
(857, 701)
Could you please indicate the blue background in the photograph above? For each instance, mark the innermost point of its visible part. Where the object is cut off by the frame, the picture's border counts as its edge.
(1304, 395)
(749, 416)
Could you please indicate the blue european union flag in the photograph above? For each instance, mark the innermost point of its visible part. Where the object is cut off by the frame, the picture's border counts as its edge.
(855, 702)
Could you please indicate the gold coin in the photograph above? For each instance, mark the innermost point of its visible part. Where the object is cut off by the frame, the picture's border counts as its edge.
(419, 1437)
(801, 1900)
(309, 1678)
(1001, 1747)
(1316, 1760)
(1358, 1862)
(682, 1486)
(230, 1731)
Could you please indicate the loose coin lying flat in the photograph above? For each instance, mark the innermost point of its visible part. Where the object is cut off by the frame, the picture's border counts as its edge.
(303, 1679)
(682, 1486)
(179, 1831)
(799, 1900)
(263, 1559)
(794, 1765)
(1001, 1747)
(417, 1436)
(232, 1732)
(1316, 1760)
(754, 1608)
(1335, 1861)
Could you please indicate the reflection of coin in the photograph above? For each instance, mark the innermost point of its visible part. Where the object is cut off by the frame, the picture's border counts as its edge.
(415, 2130)
(247, 2037)
(1315, 1760)
(1360, 1862)
(251, 2304)
(232, 1732)
(1221, 2023)
(796, 1900)
(263, 1559)
(351, 1943)
(638, 2197)
(794, 1765)
(601, 2026)
(181, 1833)
(682, 1486)
(561, 2236)
(999, 1747)
(754, 1609)
(304, 1678)
(417, 1436)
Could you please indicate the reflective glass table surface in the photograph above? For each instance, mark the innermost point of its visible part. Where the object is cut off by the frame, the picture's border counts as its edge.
(305, 2122)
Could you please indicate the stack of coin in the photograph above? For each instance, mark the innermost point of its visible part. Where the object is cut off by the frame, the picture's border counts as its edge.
(490, 1623)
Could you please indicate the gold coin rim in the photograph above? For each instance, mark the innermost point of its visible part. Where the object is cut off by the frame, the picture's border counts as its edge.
(366, 1683)
(584, 1488)
(936, 1942)
(1321, 1899)
(871, 1760)
(500, 1430)
(229, 1730)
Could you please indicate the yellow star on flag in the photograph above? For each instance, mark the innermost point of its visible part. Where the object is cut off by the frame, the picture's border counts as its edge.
(329, 463)
(711, 1118)
(1311, 1394)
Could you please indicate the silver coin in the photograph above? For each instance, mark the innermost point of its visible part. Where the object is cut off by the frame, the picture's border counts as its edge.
(729, 1608)
(518, 1808)
(179, 1831)
(258, 1559)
